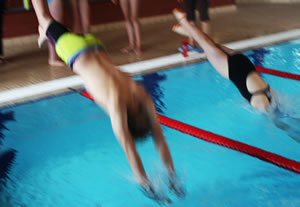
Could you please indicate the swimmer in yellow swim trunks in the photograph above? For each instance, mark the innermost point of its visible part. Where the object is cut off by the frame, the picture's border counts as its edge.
(129, 107)
(70, 46)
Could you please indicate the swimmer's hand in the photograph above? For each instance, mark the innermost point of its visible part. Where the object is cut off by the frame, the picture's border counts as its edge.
(176, 186)
(150, 193)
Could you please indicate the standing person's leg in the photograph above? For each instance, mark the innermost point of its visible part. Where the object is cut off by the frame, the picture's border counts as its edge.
(56, 11)
(84, 10)
(81, 16)
(203, 6)
(126, 12)
(76, 16)
(190, 6)
(134, 7)
(216, 56)
(2, 7)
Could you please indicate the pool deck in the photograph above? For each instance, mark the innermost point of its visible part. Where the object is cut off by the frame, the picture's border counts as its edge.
(27, 65)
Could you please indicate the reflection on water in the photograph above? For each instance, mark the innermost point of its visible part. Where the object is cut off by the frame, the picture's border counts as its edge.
(151, 84)
(7, 156)
(258, 56)
(296, 53)
(5, 117)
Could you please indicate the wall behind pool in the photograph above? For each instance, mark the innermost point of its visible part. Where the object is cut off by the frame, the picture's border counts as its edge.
(18, 22)
(267, 1)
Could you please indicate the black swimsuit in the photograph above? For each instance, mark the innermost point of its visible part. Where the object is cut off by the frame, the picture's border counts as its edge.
(239, 67)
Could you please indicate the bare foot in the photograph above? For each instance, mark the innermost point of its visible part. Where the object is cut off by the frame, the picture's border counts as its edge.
(138, 51)
(179, 15)
(127, 49)
(178, 28)
(56, 63)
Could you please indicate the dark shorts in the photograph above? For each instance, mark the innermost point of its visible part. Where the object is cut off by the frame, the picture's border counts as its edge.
(190, 6)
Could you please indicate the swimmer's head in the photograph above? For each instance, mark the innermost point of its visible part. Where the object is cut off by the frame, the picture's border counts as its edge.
(139, 123)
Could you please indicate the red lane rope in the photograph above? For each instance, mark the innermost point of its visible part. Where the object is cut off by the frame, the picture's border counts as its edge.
(87, 95)
(232, 144)
(278, 73)
(226, 142)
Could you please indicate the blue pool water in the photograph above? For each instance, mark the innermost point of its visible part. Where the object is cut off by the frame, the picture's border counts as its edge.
(67, 155)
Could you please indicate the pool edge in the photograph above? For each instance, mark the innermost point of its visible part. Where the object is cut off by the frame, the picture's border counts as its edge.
(27, 93)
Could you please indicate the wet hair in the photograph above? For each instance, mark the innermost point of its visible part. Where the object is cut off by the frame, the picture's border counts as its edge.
(139, 123)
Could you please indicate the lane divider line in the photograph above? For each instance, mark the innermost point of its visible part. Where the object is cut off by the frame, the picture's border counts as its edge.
(269, 157)
(278, 73)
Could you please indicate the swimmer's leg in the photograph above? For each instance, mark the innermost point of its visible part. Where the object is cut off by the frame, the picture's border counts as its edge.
(56, 11)
(54, 31)
(215, 54)
(42, 12)
(44, 18)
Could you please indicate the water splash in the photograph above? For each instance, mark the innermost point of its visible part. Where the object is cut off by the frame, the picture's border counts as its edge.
(284, 113)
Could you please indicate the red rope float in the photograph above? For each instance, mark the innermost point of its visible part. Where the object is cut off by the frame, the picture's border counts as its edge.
(232, 144)
(277, 73)
(226, 142)
(87, 95)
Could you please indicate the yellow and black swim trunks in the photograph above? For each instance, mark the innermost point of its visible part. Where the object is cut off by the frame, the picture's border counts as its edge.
(70, 46)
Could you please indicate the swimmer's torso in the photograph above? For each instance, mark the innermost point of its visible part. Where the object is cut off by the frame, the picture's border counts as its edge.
(103, 80)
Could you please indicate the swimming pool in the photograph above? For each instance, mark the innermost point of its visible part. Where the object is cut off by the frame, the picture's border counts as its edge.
(67, 155)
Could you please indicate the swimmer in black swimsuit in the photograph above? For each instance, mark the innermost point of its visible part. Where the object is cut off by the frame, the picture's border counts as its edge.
(240, 70)
(233, 66)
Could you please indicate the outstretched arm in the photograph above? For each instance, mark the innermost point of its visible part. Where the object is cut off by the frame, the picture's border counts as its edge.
(158, 137)
(118, 117)
(119, 123)
(162, 147)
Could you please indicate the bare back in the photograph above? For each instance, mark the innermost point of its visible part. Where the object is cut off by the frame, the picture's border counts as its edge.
(102, 79)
